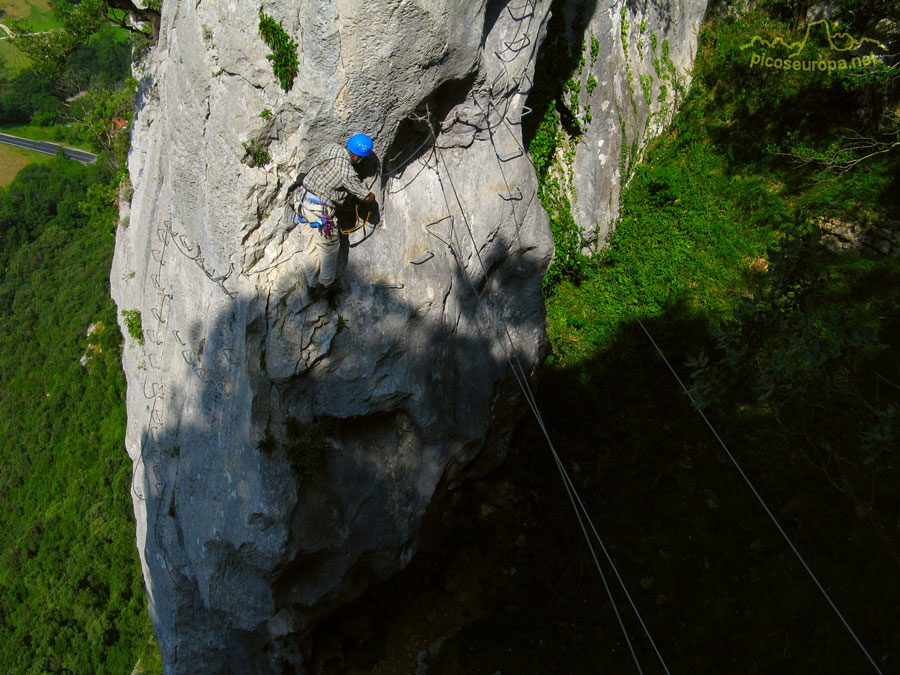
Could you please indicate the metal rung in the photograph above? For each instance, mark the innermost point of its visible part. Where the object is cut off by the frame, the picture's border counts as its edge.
(222, 277)
(186, 360)
(518, 153)
(510, 60)
(529, 11)
(496, 80)
(151, 335)
(514, 196)
(525, 76)
(428, 255)
(437, 236)
(155, 387)
(186, 249)
(525, 111)
(525, 40)
(184, 242)
(230, 294)
(227, 387)
(178, 337)
(157, 256)
(163, 232)
(514, 47)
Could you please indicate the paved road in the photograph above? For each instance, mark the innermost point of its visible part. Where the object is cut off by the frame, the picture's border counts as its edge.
(48, 148)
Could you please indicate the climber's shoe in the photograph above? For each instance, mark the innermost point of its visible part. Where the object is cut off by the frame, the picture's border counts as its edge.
(331, 292)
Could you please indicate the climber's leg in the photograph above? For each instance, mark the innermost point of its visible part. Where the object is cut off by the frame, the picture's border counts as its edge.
(329, 247)
(312, 266)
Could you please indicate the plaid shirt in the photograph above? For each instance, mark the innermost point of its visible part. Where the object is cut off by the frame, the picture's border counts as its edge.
(333, 176)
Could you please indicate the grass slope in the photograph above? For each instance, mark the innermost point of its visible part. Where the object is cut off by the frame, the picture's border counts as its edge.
(38, 15)
(13, 160)
(37, 12)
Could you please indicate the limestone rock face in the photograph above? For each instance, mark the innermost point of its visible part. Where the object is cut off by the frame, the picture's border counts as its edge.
(287, 449)
(253, 521)
(637, 60)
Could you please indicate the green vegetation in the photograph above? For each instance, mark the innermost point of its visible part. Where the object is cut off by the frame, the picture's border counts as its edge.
(39, 17)
(551, 134)
(13, 159)
(42, 196)
(71, 593)
(51, 52)
(12, 60)
(33, 105)
(789, 347)
(37, 12)
(306, 446)
(133, 325)
(257, 152)
(547, 145)
(284, 50)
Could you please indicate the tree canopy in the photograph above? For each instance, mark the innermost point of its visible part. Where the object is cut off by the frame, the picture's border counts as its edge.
(50, 50)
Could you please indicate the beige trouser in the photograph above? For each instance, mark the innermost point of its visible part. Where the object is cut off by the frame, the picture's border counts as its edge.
(321, 250)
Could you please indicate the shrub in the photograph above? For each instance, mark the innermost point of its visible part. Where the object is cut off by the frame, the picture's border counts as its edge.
(133, 325)
(306, 446)
(284, 60)
(257, 152)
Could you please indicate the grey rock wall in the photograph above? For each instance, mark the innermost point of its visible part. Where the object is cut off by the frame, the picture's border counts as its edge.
(640, 54)
(411, 367)
(386, 398)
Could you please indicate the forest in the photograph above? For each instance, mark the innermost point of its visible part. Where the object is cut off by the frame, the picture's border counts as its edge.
(722, 261)
(71, 592)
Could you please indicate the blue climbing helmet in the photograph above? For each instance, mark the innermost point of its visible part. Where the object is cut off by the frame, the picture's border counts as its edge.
(360, 144)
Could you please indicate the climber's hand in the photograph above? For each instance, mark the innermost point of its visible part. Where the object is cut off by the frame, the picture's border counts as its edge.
(369, 198)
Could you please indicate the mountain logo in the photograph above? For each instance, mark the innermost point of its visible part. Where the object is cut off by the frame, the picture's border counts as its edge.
(838, 42)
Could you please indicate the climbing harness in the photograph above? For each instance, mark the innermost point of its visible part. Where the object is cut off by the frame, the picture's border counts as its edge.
(324, 223)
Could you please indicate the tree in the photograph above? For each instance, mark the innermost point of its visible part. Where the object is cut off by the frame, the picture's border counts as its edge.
(852, 148)
(817, 373)
(94, 124)
(50, 50)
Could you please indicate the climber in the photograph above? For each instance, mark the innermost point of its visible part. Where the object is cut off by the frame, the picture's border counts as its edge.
(332, 178)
